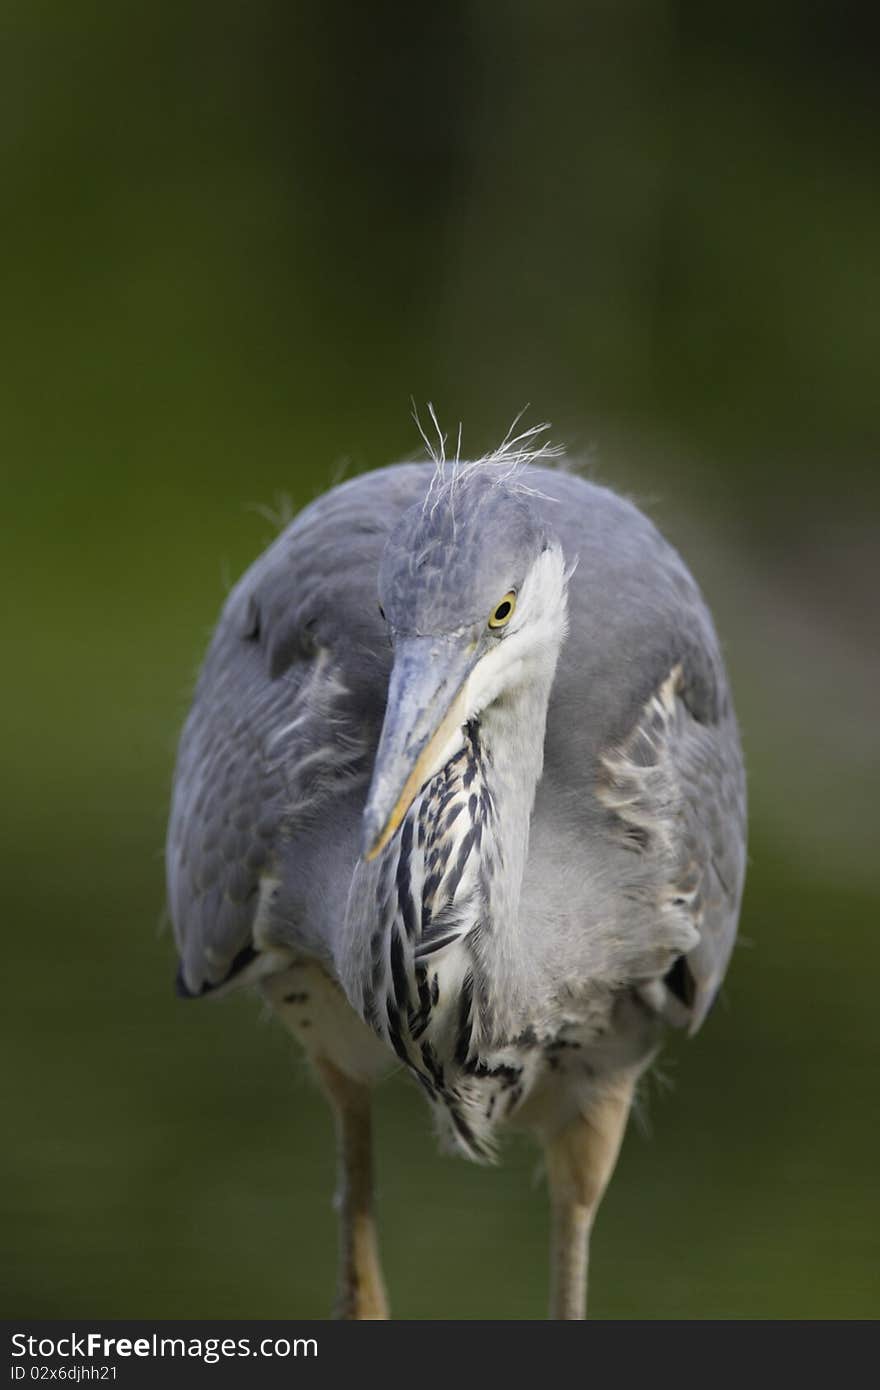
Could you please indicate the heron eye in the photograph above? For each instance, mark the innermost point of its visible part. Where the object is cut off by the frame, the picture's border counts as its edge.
(503, 611)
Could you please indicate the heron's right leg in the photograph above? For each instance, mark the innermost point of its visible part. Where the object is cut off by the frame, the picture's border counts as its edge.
(361, 1290)
(580, 1161)
(347, 1058)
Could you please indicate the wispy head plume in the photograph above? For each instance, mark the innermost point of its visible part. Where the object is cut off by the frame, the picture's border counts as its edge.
(503, 465)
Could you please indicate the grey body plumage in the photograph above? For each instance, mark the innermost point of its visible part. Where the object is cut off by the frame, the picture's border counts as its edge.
(514, 849)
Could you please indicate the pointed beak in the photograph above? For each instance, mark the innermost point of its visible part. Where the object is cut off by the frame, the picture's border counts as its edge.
(426, 708)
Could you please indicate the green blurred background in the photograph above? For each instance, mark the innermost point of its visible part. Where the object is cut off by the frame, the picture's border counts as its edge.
(237, 239)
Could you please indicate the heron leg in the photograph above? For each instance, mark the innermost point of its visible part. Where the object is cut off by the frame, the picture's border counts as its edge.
(361, 1290)
(580, 1161)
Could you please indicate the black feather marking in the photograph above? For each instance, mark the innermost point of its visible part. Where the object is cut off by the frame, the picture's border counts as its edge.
(423, 822)
(398, 971)
(502, 1071)
(418, 1019)
(465, 1024)
(449, 916)
(432, 1064)
(461, 860)
(451, 817)
(680, 982)
(417, 1022)
(459, 758)
(404, 885)
(443, 853)
(464, 1129)
(427, 947)
(394, 1037)
(429, 893)
(427, 1086)
(423, 1015)
(244, 958)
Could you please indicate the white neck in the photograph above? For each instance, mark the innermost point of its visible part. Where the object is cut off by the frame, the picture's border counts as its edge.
(512, 730)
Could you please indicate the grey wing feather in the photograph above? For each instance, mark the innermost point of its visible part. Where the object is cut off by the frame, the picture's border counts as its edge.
(243, 772)
(642, 711)
(288, 702)
(228, 806)
(677, 788)
(713, 853)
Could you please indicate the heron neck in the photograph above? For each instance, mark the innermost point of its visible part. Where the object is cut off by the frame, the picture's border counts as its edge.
(512, 730)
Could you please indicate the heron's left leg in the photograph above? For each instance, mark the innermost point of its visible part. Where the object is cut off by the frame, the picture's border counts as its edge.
(580, 1161)
(361, 1292)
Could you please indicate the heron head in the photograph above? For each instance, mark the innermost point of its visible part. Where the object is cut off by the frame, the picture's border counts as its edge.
(472, 586)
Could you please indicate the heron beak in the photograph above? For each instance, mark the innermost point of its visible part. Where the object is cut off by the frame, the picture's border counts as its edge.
(425, 710)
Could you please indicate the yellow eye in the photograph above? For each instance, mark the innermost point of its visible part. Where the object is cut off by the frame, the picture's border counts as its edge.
(503, 611)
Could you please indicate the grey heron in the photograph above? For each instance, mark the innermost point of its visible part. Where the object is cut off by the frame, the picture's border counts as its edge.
(461, 790)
